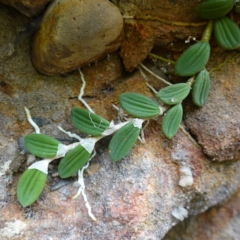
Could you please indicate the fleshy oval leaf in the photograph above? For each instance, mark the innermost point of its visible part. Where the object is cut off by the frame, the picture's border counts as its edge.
(213, 9)
(41, 145)
(193, 59)
(30, 186)
(227, 33)
(139, 105)
(171, 120)
(201, 87)
(122, 141)
(174, 94)
(87, 122)
(73, 161)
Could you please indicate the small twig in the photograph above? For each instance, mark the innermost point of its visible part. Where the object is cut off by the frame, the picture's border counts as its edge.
(146, 80)
(29, 118)
(225, 62)
(161, 107)
(121, 115)
(80, 96)
(161, 58)
(174, 23)
(189, 136)
(155, 75)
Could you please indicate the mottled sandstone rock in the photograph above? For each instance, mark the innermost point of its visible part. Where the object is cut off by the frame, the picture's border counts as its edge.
(75, 33)
(134, 198)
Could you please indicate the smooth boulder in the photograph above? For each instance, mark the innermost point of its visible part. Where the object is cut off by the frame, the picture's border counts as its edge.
(75, 33)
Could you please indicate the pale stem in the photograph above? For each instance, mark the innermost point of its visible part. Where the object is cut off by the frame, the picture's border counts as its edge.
(189, 136)
(81, 189)
(142, 138)
(161, 58)
(161, 108)
(72, 135)
(113, 128)
(121, 114)
(80, 96)
(190, 81)
(155, 75)
(29, 118)
(41, 165)
(145, 78)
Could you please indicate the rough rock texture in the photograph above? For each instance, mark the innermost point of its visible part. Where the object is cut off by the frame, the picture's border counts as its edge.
(27, 7)
(132, 199)
(9, 31)
(156, 23)
(75, 33)
(218, 223)
(217, 124)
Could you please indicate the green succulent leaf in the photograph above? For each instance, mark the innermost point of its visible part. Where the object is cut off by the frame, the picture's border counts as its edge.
(87, 122)
(139, 105)
(30, 186)
(171, 120)
(201, 87)
(41, 145)
(73, 161)
(227, 33)
(174, 94)
(122, 141)
(213, 9)
(193, 59)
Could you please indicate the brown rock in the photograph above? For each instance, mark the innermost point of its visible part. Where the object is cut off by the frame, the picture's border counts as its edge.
(27, 7)
(9, 38)
(216, 125)
(162, 24)
(75, 33)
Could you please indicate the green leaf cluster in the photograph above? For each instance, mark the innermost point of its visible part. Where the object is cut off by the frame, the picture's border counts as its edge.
(193, 60)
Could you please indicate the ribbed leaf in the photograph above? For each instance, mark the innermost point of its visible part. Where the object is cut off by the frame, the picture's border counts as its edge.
(227, 33)
(30, 186)
(171, 120)
(73, 161)
(41, 145)
(193, 59)
(139, 105)
(122, 141)
(174, 94)
(201, 88)
(88, 122)
(213, 9)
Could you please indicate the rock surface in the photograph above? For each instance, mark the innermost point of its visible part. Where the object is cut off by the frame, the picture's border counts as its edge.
(27, 7)
(136, 197)
(75, 33)
(218, 223)
(156, 23)
(217, 124)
